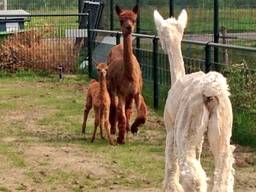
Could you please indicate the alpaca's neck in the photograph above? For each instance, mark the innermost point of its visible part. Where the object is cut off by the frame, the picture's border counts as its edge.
(103, 85)
(128, 55)
(176, 62)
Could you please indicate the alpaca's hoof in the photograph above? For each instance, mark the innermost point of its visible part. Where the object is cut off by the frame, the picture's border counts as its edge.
(139, 121)
(120, 141)
(83, 129)
(102, 137)
(111, 142)
(112, 131)
(128, 129)
(134, 130)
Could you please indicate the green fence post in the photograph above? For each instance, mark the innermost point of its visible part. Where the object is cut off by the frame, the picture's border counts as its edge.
(155, 73)
(111, 15)
(138, 26)
(118, 36)
(80, 2)
(171, 8)
(207, 58)
(79, 9)
(89, 45)
(216, 33)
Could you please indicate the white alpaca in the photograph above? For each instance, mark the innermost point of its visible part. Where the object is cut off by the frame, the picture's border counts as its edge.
(196, 103)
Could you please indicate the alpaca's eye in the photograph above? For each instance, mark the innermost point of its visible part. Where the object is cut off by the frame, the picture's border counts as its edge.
(122, 22)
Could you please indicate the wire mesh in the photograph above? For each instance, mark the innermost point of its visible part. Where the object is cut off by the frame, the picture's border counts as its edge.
(239, 67)
(45, 43)
(45, 6)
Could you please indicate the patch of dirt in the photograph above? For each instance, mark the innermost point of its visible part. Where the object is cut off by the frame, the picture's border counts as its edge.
(8, 139)
(244, 157)
(15, 180)
(67, 158)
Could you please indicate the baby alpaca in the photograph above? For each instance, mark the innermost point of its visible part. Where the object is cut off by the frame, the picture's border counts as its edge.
(98, 97)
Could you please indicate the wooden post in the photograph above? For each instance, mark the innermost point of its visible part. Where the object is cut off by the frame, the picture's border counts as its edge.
(3, 4)
(224, 41)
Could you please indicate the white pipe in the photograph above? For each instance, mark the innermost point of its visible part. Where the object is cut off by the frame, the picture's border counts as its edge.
(5, 4)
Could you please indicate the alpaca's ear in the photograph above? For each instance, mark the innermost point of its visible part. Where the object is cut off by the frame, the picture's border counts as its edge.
(135, 9)
(158, 20)
(183, 18)
(118, 10)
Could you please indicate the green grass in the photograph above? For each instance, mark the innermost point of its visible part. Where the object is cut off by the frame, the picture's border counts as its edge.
(41, 143)
(13, 157)
(42, 111)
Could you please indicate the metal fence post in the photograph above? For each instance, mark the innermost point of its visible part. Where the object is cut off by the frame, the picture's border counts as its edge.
(111, 15)
(207, 58)
(171, 8)
(138, 25)
(89, 45)
(118, 36)
(80, 6)
(216, 33)
(155, 73)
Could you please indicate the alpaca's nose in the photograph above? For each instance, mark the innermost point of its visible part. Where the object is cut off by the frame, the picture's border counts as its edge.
(129, 27)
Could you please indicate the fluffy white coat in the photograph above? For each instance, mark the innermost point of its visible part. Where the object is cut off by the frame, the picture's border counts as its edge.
(197, 103)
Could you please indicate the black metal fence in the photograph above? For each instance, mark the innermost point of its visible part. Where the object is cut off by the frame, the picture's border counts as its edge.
(230, 21)
(237, 63)
(45, 6)
(234, 22)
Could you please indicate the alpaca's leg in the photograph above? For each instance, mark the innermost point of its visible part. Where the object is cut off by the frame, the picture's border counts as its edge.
(128, 111)
(113, 113)
(87, 108)
(171, 178)
(107, 126)
(101, 124)
(96, 123)
(190, 129)
(101, 132)
(141, 113)
(219, 133)
(193, 177)
(199, 149)
(121, 121)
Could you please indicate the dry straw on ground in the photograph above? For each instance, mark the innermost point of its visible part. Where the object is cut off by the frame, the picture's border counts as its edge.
(38, 50)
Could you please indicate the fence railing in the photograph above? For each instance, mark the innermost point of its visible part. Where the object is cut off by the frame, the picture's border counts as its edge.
(240, 70)
(208, 49)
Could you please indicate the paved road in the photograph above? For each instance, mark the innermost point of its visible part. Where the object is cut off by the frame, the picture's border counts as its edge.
(232, 36)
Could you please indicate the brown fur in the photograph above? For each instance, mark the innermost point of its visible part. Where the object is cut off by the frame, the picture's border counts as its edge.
(141, 117)
(124, 76)
(99, 98)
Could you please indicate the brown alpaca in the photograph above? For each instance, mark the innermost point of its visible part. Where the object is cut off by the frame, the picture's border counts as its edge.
(98, 97)
(124, 78)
